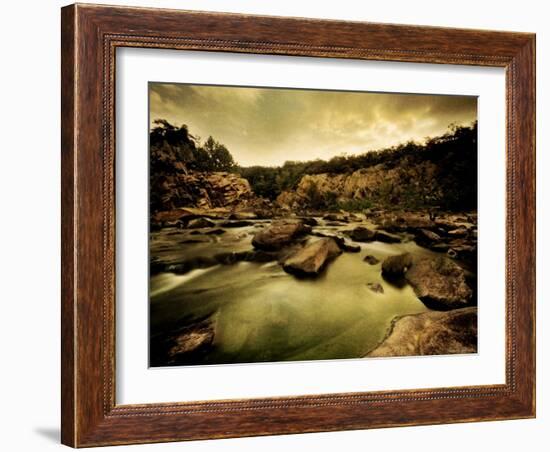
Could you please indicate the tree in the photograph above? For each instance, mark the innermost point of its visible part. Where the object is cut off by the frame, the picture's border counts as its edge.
(220, 159)
(173, 147)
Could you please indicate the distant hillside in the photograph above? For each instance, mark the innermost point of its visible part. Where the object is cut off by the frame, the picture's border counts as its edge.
(440, 173)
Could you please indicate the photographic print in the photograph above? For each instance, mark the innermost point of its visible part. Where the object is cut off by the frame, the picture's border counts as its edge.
(297, 224)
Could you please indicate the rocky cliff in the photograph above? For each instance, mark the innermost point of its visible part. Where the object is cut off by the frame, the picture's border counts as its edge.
(405, 185)
(201, 189)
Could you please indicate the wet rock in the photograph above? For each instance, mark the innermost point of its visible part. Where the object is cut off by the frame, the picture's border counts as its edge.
(426, 238)
(463, 252)
(312, 258)
(211, 232)
(439, 283)
(340, 241)
(243, 215)
(431, 333)
(440, 247)
(370, 259)
(375, 287)
(347, 247)
(190, 264)
(396, 266)
(278, 235)
(236, 224)
(191, 340)
(336, 217)
(361, 234)
(172, 224)
(198, 223)
(382, 236)
(459, 232)
(245, 256)
(186, 344)
(309, 221)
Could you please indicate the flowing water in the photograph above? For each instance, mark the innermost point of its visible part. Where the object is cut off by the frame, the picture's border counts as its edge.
(260, 313)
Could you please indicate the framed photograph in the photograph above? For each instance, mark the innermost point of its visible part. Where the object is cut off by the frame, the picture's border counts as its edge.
(280, 225)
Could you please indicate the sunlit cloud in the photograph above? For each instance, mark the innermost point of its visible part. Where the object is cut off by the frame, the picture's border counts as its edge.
(268, 126)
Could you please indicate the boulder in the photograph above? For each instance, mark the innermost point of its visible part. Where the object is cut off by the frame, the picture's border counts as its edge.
(349, 248)
(245, 256)
(340, 241)
(458, 232)
(309, 221)
(236, 224)
(278, 235)
(312, 258)
(431, 333)
(370, 259)
(361, 234)
(243, 215)
(186, 344)
(426, 238)
(198, 223)
(462, 251)
(336, 217)
(213, 232)
(439, 283)
(396, 266)
(383, 236)
(375, 287)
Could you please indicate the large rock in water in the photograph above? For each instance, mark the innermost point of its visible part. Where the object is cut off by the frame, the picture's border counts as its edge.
(426, 238)
(382, 236)
(186, 344)
(439, 283)
(431, 333)
(361, 234)
(278, 235)
(312, 259)
(198, 223)
(396, 266)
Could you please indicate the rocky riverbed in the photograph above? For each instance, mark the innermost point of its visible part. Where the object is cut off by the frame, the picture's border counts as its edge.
(258, 285)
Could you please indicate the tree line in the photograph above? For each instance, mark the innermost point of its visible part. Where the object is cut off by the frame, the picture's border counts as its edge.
(169, 144)
(454, 186)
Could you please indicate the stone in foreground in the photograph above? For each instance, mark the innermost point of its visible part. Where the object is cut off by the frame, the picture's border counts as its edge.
(278, 235)
(431, 333)
(191, 341)
(375, 287)
(312, 259)
(439, 283)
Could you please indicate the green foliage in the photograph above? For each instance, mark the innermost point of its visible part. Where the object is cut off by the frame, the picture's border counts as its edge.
(170, 144)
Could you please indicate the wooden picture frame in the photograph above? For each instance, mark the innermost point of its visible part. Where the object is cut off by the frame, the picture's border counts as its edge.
(90, 36)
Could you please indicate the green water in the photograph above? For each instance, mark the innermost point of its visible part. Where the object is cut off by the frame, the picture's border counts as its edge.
(264, 314)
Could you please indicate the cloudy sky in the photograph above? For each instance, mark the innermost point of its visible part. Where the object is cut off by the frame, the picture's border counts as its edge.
(266, 126)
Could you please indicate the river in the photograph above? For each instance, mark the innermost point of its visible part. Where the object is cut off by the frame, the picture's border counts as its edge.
(262, 314)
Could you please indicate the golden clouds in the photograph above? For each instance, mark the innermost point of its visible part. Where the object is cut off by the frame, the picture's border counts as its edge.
(267, 126)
